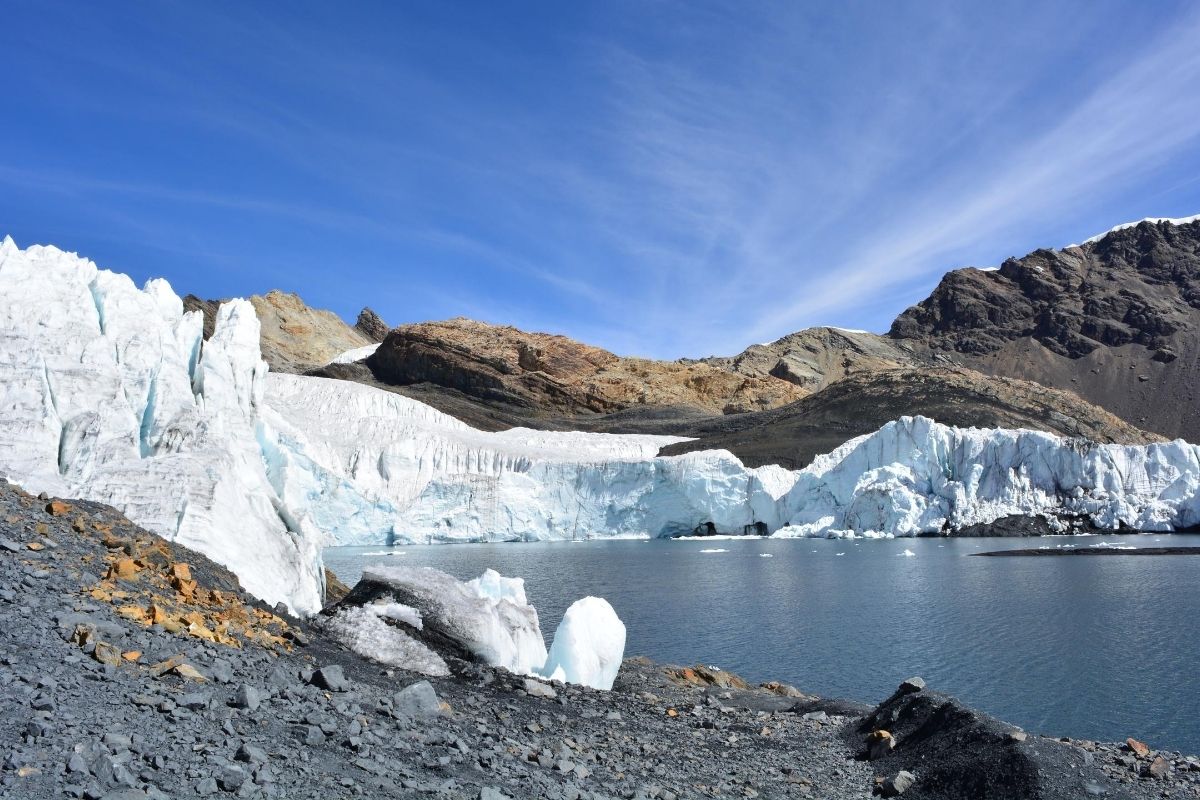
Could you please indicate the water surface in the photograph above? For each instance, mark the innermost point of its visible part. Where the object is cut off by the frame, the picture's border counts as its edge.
(1084, 647)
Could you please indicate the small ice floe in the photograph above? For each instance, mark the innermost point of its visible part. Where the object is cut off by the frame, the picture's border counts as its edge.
(386, 553)
(908, 553)
(1113, 546)
(714, 550)
(839, 554)
(766, 555)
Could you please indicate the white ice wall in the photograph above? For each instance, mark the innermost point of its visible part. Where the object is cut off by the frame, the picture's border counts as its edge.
(108, 393)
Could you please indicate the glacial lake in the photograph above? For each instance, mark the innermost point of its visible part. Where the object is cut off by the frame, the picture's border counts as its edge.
(1089, 647)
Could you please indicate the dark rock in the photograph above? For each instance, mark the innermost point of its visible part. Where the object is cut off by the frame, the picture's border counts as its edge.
(370, 325)
(898, 784)
(330, 677)
(417, 701)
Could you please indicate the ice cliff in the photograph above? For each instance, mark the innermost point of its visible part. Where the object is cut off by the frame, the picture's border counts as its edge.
(396, 471)
(108, 393)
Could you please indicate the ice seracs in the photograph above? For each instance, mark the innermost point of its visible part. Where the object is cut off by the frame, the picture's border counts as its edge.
(109, 393)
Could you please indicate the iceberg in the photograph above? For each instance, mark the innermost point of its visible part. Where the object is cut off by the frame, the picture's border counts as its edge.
(588, 645)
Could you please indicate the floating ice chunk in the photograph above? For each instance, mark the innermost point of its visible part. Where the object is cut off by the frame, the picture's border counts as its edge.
(365, 630)
(908, 553)
(714, 550)
(766, 555)
(588, 645)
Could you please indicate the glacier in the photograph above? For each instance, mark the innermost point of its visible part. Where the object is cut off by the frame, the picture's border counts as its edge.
(395, 471)
(110, 393)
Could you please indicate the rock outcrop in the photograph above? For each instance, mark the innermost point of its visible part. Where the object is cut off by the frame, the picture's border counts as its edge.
(371, 326)
(294, 336)
(816, 357)
(793, 435)
(1115, 320)
(543, 374)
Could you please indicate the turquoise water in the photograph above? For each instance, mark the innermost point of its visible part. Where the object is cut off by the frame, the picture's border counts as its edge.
(1103, 647)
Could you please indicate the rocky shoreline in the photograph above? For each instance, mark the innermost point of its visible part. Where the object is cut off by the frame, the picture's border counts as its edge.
(134, 668)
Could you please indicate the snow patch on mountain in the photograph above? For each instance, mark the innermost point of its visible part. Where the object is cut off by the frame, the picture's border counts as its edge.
(357, 354)
(1127, 225)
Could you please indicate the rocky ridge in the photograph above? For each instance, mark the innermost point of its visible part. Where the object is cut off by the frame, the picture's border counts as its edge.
(1115, 320)
(817, 357)
(99, 704)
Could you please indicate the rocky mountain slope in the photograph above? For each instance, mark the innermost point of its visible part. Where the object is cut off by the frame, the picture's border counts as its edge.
(294, 336)
(792, 436)
(1115, 320)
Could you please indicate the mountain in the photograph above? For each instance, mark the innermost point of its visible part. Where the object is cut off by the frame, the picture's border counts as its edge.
(792, 436)
(1115, 320)
(296, 337)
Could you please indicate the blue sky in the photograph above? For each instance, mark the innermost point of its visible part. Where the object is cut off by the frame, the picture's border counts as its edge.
(660, 178)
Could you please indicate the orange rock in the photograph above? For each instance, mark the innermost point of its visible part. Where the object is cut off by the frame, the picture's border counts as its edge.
(100, 594)
(1139, 749)
(181, 571)
(123, 568)
(163, 667)
(158, 615)
(184, 587)
(672, 712)
(135, 613)
(57, 508)
(35, 546)
(132, 655)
